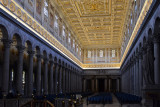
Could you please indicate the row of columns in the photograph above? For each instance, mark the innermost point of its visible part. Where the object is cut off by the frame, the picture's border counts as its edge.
(132, 78)
(56, 78)
(138, 71)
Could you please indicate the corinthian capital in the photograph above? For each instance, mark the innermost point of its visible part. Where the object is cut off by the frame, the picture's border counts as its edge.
(156, 38)
(7, 43)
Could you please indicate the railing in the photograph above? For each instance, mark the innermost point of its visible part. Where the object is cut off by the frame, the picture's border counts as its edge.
(37, 103)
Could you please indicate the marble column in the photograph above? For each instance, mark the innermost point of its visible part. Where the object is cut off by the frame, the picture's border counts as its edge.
(45, 79)
(117, 85)
(76, 90)
(140, 73)
(5, 73)
(92, 85)
(130, 75)
(157, 59)
(80, 78)
(137, 75)
(84, 85)
(135, 85)
(109, 84)
(38, 74)
(69, 81)
(19, 70)
(64, 79)
(105, 84)
(56, 77)
(50, 86)
(78, 83)
(72, 82)
(30, 74)
(60, 80)
(144, 57)
(75, 80)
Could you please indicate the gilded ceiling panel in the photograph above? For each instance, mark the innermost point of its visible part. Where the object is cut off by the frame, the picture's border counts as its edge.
(95, 22)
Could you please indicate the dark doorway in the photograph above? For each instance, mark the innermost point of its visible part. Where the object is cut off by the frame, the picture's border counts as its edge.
(101, 85)
(88, 85)
(114, 85)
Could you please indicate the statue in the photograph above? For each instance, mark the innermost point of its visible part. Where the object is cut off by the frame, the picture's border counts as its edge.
(148, 65)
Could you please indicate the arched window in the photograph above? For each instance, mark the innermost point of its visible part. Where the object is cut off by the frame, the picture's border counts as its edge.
(69, 38)
(12, 75)
(77, 48)
(113, 53)
(135, 5)
(89, 54)
(73, 43)
(80, 51)
(46, 8)
(63, 32)
(56, 21)
(56, 25)
(101, 53)
(131, 19)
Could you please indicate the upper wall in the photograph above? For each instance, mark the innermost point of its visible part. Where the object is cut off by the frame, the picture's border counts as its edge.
(101, 72)
(101, 55)
(46, 14)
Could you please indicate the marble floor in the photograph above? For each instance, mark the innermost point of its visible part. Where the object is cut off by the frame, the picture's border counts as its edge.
(115, 104)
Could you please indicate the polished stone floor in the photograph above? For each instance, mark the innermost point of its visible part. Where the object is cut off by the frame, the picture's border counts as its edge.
(115, 104)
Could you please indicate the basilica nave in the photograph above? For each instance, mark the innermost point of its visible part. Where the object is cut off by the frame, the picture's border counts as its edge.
(79, 53)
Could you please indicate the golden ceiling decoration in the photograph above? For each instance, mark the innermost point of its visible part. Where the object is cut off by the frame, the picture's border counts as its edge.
(95, 22)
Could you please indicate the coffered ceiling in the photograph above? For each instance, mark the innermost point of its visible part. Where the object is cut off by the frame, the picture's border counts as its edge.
(96, 23)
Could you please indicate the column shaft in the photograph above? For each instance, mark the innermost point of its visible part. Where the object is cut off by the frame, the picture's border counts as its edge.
(140, 74)
(157, 59)
(45, 79)
(5, 73)
(30, 74)
(137, 76)
(38, 79)
(50, 86)
(64, 79)
(60, 80)
(56, 77)
(19, 70)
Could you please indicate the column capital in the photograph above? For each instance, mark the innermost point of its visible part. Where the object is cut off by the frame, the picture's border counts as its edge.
(55, 63)
(20, 48)
(149, 45)
(137, 57)
(156, 38)
(46, 60)
(144, 48)
(51, 61)
(31, 52)
(140, 55)
(39, 56)
(7, 43)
